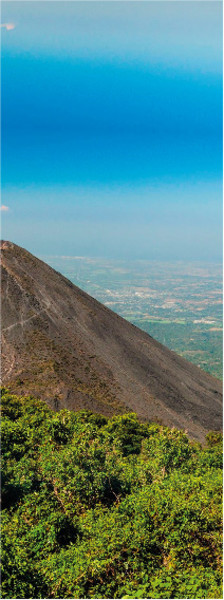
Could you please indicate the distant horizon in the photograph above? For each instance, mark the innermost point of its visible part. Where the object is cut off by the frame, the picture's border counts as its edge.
(91, 257)
(130, 259)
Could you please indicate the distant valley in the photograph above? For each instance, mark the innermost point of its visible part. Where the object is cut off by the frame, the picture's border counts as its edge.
(178, 304)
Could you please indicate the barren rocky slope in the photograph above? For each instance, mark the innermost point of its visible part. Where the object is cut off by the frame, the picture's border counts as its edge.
(60, 344)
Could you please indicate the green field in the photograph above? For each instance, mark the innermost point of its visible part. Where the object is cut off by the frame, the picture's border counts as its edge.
(199, 344)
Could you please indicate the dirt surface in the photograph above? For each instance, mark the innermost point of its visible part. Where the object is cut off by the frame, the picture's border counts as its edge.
(63, 346)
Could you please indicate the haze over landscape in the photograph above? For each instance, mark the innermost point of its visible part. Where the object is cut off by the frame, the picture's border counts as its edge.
(178, 303)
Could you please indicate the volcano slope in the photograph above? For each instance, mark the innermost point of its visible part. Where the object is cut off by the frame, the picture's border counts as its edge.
(68, 349)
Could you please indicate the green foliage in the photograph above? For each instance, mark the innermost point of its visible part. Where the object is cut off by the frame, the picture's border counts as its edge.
(107, 508)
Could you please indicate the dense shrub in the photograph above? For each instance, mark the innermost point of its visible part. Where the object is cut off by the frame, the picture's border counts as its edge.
(107, 508)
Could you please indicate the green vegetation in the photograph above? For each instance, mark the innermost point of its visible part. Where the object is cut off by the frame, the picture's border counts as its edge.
(200, 343)
(106, 508)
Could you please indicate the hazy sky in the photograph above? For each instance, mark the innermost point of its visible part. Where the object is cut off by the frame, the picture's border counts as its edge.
(112, 128)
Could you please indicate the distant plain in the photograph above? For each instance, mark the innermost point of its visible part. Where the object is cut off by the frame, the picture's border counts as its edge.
(179, 304)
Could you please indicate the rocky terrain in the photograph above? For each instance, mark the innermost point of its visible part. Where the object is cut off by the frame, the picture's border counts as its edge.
(68, 349)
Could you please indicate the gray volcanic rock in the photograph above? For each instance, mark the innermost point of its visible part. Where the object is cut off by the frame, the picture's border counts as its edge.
(63, 346)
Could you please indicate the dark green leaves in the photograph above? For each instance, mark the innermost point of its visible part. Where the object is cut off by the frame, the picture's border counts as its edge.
(107, 508)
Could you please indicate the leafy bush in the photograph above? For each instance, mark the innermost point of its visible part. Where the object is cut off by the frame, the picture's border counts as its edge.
(107, 508)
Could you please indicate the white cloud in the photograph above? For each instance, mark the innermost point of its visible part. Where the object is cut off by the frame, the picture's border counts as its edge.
(4, 208)
(8, 26)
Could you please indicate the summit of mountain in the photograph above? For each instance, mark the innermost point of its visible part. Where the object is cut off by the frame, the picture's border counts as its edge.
(62, 345)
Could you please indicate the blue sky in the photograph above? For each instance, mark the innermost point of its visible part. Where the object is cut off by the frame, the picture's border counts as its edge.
(112, 128)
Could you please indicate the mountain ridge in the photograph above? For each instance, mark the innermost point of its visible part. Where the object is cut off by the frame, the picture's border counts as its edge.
(70, 350)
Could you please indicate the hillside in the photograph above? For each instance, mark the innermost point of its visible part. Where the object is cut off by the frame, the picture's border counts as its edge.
(66, 348)
(107, 508)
